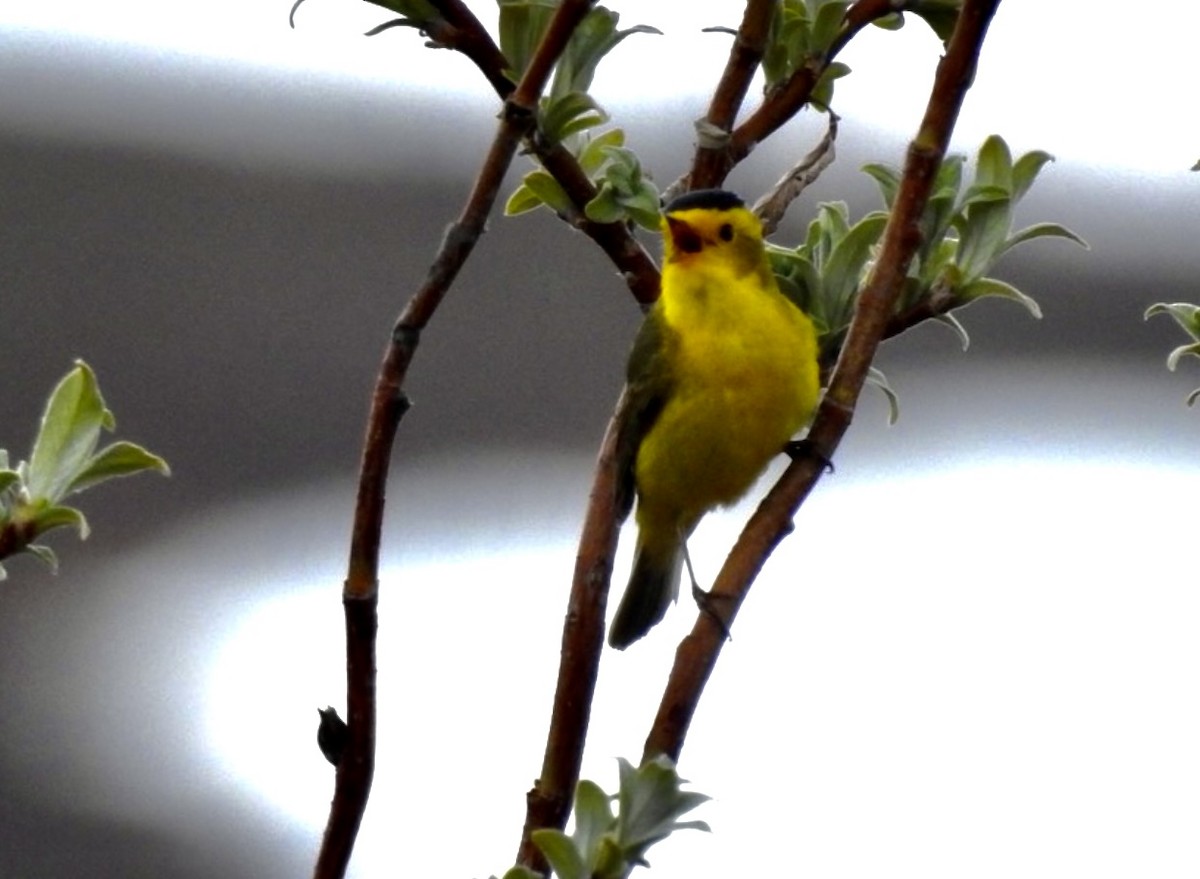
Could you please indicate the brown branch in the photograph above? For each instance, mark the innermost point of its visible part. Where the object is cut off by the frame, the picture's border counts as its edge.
(744, 57)
(360, 592)
(548, 803)
(697, 653)
(774, 204)
(784, 101)
(463, 32)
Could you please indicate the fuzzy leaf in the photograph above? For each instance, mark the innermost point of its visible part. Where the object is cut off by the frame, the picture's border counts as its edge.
(560, 852)
(45, 553)
(1042, 230)
(548, 190)
(70, 429)
(521, 201)
(940, 15)
(119, 459)
(993, 287)
(994, 166)
(53, 517)
(1185, 314)
(1026, 170)
(877, 379)
(959, 330)
(888, 179)
(1182, 351)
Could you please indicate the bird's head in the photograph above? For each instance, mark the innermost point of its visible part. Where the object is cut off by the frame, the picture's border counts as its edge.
(712, 225)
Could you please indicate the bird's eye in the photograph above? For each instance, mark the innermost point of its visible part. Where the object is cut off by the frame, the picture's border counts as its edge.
(726, 232)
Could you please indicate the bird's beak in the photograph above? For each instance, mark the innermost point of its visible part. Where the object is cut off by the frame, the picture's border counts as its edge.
(684, 238)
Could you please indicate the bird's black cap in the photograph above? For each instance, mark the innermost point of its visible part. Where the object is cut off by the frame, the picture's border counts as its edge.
(714, 199)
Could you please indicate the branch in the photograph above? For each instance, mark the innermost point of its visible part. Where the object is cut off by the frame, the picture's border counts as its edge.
(772, 207)
(744, 57)
(388, 405)
(711, 167)
(697, 653)
(463, 32)
(549, 802)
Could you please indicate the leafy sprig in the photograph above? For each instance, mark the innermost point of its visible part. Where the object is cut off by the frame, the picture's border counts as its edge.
(1187, 316)
(63, 462)
(567, 113)
(963, 234)
(605, 845)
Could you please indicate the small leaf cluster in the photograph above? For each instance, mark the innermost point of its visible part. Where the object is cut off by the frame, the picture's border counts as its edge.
(567, 114)
(608, 846)
(963, 234)
(1188, 317)
(803, 34)
(64, 461)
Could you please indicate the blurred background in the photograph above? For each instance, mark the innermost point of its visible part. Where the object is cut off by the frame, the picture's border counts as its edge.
(976, 655)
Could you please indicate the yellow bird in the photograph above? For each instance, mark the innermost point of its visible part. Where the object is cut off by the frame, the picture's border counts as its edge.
(722, 374)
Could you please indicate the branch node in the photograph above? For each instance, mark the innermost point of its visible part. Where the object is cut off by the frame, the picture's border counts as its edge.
(406, 336)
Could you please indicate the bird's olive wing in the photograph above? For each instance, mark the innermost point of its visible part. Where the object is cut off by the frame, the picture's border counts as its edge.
(649, 381)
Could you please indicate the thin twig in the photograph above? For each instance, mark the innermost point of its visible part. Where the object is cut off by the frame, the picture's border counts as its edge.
(548, 803)
(360, 592)
(749, 43)
(784, 101)
(698, 651)
(463, 32)
(772, 207)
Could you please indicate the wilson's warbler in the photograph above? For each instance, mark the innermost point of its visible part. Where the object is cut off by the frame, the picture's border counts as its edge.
(722, 374)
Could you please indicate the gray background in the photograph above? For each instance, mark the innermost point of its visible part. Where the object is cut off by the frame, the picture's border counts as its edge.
(234, 300)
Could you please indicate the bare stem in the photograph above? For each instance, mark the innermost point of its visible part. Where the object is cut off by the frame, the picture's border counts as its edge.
(548, 803)
(388, 404)
(698, 651)
(711, 167)
(744, 57)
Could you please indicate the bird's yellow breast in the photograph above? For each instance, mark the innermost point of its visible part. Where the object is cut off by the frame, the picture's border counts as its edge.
(745, 382)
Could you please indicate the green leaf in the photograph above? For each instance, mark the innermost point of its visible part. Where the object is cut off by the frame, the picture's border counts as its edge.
(119, 459)
(521, 201)
(70, 428)
(522, 24)
(994, 166)
(650, 804)
(519, 872)
(1026, 170)
(877, 379)
(1185, 314)
(983, 236)
(593, 817)
(940, 15)
(1042, 230)
(1182, 351)
(888, 179)
(593, 154)
(560, 853)
(825, 27)
(52, 517)
(959, 330)
(993, 287)
(548, 191)
(8, 479)
(604, 208)
(45, 553)
(593, 39)
(822, 93)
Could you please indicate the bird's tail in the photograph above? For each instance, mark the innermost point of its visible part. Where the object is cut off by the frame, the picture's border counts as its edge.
(653, 585)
